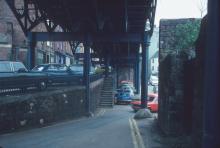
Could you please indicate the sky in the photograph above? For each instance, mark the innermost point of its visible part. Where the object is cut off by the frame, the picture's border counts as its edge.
(171, 9)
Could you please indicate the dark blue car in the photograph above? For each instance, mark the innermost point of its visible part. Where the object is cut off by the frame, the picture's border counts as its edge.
(14, 75)
(124, 95)
(58, 73)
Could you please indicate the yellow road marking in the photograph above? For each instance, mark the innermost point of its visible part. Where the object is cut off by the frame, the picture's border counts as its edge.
(135, 133)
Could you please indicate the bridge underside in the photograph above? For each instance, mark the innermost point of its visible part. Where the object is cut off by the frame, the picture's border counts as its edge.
(90, 17)
(114, 30)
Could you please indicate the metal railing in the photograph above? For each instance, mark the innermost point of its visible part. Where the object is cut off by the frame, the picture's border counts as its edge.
(77, 80)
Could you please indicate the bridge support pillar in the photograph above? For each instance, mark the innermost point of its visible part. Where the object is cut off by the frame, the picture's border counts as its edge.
(144, 71)
(31, 51)
(86, 71)
(137, 73)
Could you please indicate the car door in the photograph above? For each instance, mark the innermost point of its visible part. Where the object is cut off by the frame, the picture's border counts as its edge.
(23, 78)
(52, 71)
(7, 76)
(62, 75)
(58, 73)
(65, 74)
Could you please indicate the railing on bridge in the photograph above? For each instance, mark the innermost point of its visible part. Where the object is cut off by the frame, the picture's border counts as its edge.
(77, 81)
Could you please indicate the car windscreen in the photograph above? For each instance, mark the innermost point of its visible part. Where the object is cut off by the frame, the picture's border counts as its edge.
(18, 65)
(5, 67)
(150, 98)
(76, 68)
(127, 91)
(38, 68)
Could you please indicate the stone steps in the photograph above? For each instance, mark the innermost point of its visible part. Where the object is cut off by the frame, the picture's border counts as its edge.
(106, 100)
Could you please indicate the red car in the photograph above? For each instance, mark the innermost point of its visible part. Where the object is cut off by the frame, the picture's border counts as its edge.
(152, 103)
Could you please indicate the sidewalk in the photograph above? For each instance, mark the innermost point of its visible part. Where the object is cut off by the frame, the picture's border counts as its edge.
(154, 138)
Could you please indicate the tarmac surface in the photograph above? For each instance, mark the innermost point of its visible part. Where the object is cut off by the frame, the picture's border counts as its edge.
(110, 128)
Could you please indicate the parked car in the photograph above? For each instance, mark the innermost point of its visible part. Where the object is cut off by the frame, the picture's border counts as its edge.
(125, 83)
(153, 80)
(58, 73)
(15, 75)
(78, 69)
(124, 95)
(152, 103)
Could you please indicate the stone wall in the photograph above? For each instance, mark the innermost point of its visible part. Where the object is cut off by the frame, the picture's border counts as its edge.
(95, 93)
(42, 108)
(166, 35)
(181, 90)
(171, 92)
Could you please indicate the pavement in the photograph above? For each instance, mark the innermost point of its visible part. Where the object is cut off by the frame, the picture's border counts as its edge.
(109, 128)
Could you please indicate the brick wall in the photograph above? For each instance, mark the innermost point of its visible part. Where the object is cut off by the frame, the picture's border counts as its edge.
(19, 39)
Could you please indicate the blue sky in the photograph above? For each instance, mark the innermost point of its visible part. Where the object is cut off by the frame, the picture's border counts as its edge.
(171, 9)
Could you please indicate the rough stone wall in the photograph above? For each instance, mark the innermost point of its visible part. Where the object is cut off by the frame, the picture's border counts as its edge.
(181, 90)
(166, 39)
(175, 79)
(39, 109)
(198, 99)
(95, 93)
(171, 92)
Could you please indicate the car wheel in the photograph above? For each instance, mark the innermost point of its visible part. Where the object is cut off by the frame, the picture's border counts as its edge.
(42, 85)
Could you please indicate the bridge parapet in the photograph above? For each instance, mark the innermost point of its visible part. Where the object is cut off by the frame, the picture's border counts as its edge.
(40, 109)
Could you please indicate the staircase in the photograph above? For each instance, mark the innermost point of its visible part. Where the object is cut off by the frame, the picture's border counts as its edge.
(107, 97)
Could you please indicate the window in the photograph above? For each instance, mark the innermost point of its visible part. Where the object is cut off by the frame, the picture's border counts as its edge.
(5, 67)
(52, 68)
(18, 65)
(150, 99)
(40, 58)
(62, 68)
(38, 68)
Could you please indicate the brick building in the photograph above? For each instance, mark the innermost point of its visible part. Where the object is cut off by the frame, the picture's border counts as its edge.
(14, 46)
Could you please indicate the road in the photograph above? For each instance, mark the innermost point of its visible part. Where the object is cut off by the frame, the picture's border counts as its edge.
(111, 129)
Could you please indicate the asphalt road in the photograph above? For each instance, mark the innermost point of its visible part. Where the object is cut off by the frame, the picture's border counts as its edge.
(111, 129)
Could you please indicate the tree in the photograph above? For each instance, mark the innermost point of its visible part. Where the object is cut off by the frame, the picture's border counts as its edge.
(202, 6)
(184, 35)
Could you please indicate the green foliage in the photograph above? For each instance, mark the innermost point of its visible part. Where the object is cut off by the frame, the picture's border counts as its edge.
(185, 35)
(99, 70)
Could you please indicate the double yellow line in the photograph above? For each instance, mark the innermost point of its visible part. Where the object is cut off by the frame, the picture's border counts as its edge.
(135, 133)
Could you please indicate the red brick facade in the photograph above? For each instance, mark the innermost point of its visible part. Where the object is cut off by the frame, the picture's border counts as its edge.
(11, 30)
